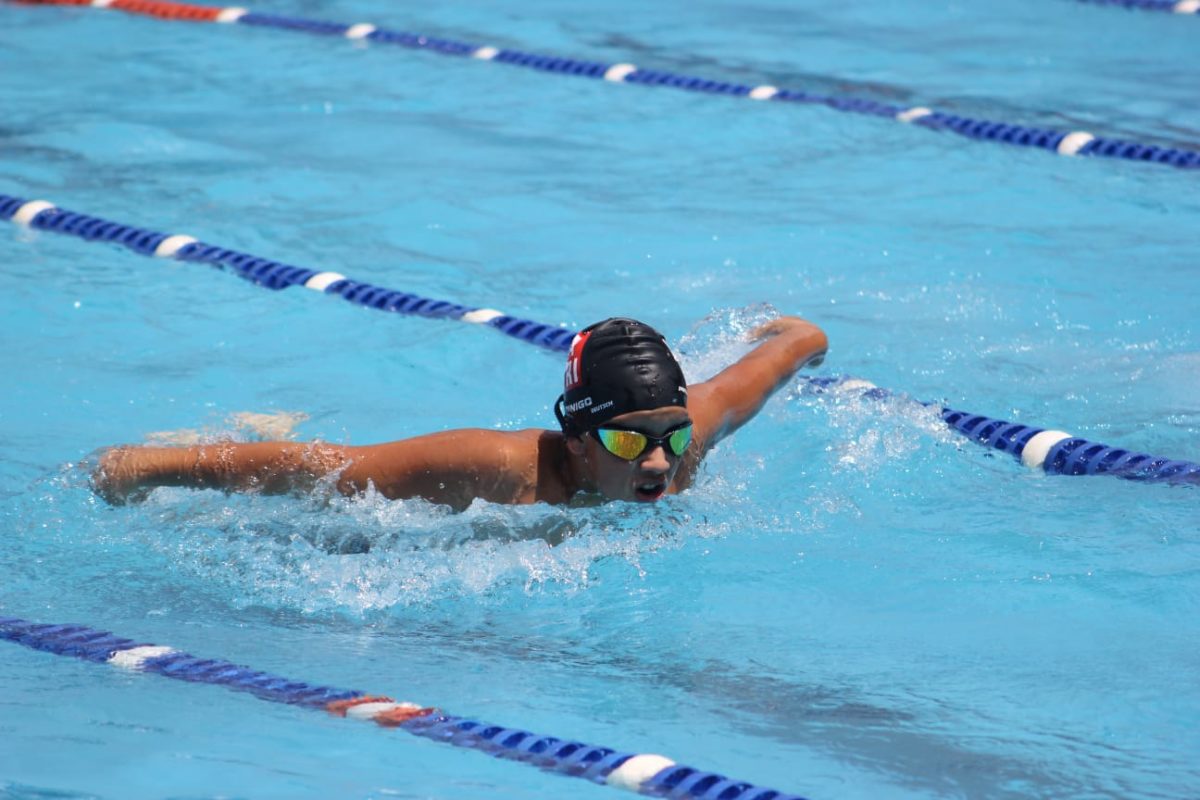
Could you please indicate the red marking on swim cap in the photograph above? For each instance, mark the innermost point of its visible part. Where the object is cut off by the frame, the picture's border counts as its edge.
(574, 374)
(340, 707)
(398, 716)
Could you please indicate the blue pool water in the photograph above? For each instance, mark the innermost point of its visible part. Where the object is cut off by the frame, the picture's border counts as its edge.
(852, 602)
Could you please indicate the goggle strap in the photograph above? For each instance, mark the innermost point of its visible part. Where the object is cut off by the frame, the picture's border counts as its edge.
(563, 422)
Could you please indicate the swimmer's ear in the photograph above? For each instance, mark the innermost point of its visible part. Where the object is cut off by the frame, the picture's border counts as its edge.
(575, 444)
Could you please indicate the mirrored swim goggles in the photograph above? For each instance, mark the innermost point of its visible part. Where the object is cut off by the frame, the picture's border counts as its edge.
(630, 445)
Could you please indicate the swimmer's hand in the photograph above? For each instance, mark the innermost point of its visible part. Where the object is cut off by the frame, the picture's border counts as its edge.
(792, 325)
(117, 477)
(126, 474)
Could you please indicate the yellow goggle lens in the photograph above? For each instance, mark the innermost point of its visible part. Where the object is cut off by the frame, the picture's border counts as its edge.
(623, 444)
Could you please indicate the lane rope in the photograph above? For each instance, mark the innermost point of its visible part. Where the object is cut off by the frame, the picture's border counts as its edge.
(1066, 143)
(1051, 451)
(645, 773)
(1054, 452)
(42, 215)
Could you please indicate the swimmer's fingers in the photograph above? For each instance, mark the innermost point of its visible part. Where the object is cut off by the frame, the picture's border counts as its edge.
(115, 477)
(779, 325)
(764, 331)
(129, 497)
(104, 482)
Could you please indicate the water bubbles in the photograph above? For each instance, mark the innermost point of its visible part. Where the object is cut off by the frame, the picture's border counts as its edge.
(365, 556)
(720, 339)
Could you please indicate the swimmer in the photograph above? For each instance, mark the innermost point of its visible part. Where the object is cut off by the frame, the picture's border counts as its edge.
(630, 429)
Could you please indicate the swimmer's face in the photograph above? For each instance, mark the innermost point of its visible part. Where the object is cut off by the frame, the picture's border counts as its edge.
(646, 478)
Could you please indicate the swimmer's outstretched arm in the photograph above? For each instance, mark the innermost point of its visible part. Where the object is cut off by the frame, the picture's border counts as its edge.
(127, 472)
(724, 403)
(451, 467)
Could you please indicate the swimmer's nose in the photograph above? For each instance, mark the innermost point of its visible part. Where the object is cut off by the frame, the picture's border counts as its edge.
(656, 461)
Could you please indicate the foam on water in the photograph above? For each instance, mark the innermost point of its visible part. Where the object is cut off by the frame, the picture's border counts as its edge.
(719, 339)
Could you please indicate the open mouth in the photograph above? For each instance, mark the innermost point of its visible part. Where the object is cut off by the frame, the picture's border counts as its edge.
(650, 491)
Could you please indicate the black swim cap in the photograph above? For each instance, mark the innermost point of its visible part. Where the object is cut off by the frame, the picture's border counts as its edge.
(614, 367)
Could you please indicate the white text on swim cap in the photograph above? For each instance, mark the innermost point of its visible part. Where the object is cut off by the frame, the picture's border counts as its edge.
(578, 405)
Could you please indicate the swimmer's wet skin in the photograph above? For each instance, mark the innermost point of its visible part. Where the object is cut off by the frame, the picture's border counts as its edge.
(630, 429)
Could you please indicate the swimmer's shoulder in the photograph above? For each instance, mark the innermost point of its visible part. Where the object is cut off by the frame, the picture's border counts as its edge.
(510, 442)
(453, 467)
(529, 465)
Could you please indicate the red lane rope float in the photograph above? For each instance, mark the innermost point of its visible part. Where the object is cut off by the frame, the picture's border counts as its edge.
(382, 710)
(150, 8)
(162, 10)
(395, 717)
(340, 707)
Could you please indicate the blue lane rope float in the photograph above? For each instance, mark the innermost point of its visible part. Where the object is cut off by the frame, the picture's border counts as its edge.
(1170, 6)
(1067, 143)
(1055, 452)
(644, 773)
